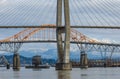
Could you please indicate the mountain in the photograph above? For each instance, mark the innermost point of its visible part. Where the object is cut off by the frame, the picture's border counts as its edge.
(26, 60)
(23, 60)
(49, 56)
(52, 54)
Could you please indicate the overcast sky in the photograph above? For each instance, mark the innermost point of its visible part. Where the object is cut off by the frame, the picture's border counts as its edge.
(82, 12)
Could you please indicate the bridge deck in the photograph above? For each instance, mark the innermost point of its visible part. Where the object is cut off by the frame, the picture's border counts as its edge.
(106, 27)
(54, 41)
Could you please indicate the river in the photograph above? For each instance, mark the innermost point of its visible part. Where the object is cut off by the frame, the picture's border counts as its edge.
(76, 73)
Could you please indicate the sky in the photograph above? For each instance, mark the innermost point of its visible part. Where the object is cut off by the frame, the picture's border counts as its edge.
(82, 12)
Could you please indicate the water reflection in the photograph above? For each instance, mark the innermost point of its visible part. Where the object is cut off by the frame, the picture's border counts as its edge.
(91, 73)
(84, 76)
(36, 69)
(16, 74)
(64, 74)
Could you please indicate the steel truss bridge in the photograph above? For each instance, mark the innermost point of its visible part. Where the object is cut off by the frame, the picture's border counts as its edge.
(47, 34)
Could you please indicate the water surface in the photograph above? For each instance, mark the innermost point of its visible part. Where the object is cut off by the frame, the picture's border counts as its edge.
(76, 73)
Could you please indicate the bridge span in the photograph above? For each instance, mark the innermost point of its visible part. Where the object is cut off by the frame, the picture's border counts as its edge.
(48, 35)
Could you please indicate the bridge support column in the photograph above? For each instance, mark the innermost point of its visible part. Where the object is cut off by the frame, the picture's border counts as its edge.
(107, 63)
(83, 60)
(63, 66)
(8, 66)
(16, 61)
(63, 48)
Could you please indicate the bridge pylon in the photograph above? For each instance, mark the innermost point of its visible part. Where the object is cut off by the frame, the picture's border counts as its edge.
(63, 48)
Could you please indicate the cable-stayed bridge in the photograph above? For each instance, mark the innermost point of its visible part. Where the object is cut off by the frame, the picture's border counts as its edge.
(69, 14)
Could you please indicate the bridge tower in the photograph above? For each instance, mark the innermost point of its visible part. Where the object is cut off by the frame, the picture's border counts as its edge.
(63, 48)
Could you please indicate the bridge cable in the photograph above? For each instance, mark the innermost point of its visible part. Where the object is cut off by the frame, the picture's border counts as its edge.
(76, 3)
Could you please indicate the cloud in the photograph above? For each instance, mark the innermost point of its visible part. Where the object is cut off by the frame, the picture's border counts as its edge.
(106, 40)
(2, 1)
(36, 50)
(94, 53)
(41, 47)
(74, 48)
(35, 12)
(111, 35)
(3, 52)
(95, 12)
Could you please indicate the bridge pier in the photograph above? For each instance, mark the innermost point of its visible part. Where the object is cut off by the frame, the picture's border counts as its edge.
(107, 63)
(83, 60)
(63, 48)
(16, 61)
(63, 56)
(63, 66)
(8, 66)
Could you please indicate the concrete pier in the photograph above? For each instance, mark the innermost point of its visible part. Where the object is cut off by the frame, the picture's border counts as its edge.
(16, 61)
(63, 48)
(107, 63)
(8, 66)
(63, 66)
(83, 60)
